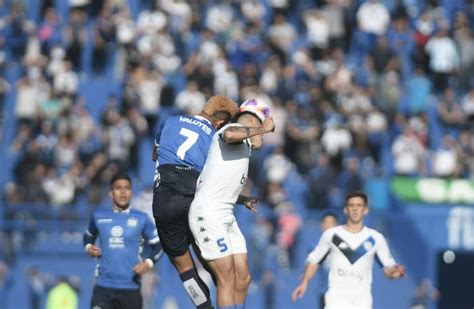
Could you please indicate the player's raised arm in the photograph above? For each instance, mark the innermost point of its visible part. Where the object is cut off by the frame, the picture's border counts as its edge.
(236, 134)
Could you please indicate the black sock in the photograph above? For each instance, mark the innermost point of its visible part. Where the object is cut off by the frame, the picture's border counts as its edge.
(196, 289)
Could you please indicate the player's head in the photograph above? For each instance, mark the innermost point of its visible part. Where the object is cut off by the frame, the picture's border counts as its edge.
(256, 108)
(121, 191)
(328, 220)
(356, 206)
(219, 110)
(252, 113)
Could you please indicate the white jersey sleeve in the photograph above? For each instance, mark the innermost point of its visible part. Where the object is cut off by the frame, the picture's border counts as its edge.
(382, 252)
(322, 249)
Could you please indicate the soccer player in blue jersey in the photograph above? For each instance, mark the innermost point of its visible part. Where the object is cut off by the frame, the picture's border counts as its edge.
(180, 153)
(121, 230)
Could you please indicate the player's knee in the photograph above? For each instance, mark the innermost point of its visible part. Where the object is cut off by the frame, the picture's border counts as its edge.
(243, 282)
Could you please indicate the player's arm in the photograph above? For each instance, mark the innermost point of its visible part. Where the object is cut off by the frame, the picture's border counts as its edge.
(236, 134)
(156, 251)
(391, 269)
(309, 271)
(249, 202)
(89, 238)
(315, 258)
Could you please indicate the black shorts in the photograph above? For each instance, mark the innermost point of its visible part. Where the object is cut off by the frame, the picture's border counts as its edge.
(108, 298)
(171, 201)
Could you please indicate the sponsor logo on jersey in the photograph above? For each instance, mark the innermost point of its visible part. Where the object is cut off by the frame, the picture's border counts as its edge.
(350, 273)
(116, 240)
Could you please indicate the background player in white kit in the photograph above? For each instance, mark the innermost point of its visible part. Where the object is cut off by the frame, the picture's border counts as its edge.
(351, 249)
(211, 216)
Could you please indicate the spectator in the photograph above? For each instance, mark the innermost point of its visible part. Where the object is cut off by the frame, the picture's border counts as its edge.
(408, 153)
(450, 111)
(62, 296)
(444, 58)
(373, 17)
(445, 160)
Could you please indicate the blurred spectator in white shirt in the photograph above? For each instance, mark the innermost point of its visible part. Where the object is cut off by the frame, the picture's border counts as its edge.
(444, 160)
(220, 17)
(253, 10)
(373, 17)
(444, 58)
(317, 29)
(408, 153)
(282, 33)
(190, 100)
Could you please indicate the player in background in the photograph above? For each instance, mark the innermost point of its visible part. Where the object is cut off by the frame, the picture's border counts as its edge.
(211, 216)
(180, 151)
(350, 249)
(121, 231)
(328, 220)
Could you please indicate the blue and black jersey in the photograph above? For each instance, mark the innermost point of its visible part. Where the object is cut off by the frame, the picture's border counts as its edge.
(121, 234)
(182, 143)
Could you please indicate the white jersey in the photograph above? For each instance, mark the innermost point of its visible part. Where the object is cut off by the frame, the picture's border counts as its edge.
(351, 257)
(211, 215)
(223, 175)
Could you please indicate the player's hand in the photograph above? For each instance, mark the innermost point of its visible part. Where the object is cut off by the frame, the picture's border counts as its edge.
(268, 125)
(141, 268)
(299, 292)
(94, 251)
(395, 272)
(251, 204)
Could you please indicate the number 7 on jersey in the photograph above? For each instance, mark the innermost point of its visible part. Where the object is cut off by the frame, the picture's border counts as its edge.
(191, 138)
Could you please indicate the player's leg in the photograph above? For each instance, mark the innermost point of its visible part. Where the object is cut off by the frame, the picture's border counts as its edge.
(243, 277)
(210, 234)
(102, 298)
(224, 270)
(128, 299)
(170, 210)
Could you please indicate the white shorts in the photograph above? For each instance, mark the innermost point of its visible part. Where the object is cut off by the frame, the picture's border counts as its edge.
(348, 300)
(217, 236)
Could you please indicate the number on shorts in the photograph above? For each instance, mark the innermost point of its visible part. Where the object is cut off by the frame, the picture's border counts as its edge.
(222, 244)
(191, 138)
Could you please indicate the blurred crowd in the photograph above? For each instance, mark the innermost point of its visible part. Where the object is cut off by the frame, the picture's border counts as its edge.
(358, 90)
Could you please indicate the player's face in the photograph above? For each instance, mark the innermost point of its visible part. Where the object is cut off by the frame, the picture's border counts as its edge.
(328, 222)
(355, 209)
(121, 193)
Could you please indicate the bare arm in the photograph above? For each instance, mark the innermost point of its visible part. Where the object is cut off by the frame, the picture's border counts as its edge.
(238, 134)
(309, 272)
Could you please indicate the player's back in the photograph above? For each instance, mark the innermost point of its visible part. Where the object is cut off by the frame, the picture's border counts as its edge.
(185, 140)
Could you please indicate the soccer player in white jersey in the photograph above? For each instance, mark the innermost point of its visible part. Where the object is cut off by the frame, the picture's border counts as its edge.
(350, 249)
(211, 215)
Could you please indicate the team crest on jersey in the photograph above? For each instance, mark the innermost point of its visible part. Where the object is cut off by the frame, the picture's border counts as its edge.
(132, 222)
(368, 245)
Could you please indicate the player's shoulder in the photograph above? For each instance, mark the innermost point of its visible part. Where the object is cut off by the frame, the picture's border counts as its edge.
(103, 211)
(138, 213)
(333, 230)
(373, 232)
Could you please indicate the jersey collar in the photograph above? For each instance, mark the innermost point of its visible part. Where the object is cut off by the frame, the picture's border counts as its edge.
(126, 211)
(203, 119)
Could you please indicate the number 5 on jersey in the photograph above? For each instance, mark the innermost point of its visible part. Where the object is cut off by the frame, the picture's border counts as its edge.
(222, 245)
(191, 138)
